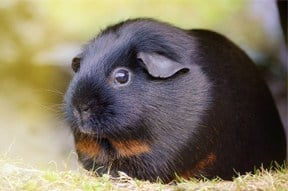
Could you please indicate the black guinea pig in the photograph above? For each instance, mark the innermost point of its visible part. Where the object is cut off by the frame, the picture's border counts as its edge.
(155, 101)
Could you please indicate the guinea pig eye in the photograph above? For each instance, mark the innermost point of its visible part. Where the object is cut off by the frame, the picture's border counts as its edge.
(76, 64)
(121, 76)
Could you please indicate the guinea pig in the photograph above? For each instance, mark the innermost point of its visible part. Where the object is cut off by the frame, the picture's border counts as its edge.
(157, 102)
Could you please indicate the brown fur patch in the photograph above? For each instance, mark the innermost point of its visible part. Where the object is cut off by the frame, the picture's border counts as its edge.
(200, 167)
(88, 146)
(130, 148)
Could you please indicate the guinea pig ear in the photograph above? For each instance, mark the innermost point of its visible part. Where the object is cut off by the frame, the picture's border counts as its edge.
(160, 66)
(76, 62)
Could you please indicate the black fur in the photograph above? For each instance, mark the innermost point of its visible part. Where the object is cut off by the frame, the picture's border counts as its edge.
(220, 107)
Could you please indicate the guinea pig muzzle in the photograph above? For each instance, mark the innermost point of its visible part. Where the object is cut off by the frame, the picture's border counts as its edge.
(82, 113)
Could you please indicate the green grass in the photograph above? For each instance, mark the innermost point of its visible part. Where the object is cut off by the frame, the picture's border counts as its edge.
(15, 175)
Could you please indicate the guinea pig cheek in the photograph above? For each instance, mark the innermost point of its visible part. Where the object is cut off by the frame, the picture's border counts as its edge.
(88, 146)
(131, 148)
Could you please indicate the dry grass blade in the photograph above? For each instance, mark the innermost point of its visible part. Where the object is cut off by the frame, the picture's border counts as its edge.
(15, 175)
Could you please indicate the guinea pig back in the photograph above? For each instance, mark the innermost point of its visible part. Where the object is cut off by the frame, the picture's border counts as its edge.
(156, 101)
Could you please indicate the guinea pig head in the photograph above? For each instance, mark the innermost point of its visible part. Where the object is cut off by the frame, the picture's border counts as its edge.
(114, 77)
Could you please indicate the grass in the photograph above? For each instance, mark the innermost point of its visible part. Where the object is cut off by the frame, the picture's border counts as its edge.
(15, 175)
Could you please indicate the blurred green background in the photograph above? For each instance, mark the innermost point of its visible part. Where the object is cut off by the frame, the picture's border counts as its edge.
(38, 39)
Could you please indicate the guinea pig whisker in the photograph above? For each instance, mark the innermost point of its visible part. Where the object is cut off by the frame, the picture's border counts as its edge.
(55, 92)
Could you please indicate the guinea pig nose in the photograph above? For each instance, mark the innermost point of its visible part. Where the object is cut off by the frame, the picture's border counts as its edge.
(84, 107)
(84, 110)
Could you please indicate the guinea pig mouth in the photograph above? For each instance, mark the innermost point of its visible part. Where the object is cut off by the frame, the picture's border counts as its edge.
(86, 129)
(106, 144)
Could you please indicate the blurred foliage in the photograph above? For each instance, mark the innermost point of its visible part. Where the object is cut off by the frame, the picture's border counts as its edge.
(30, 27)
(38, 38)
